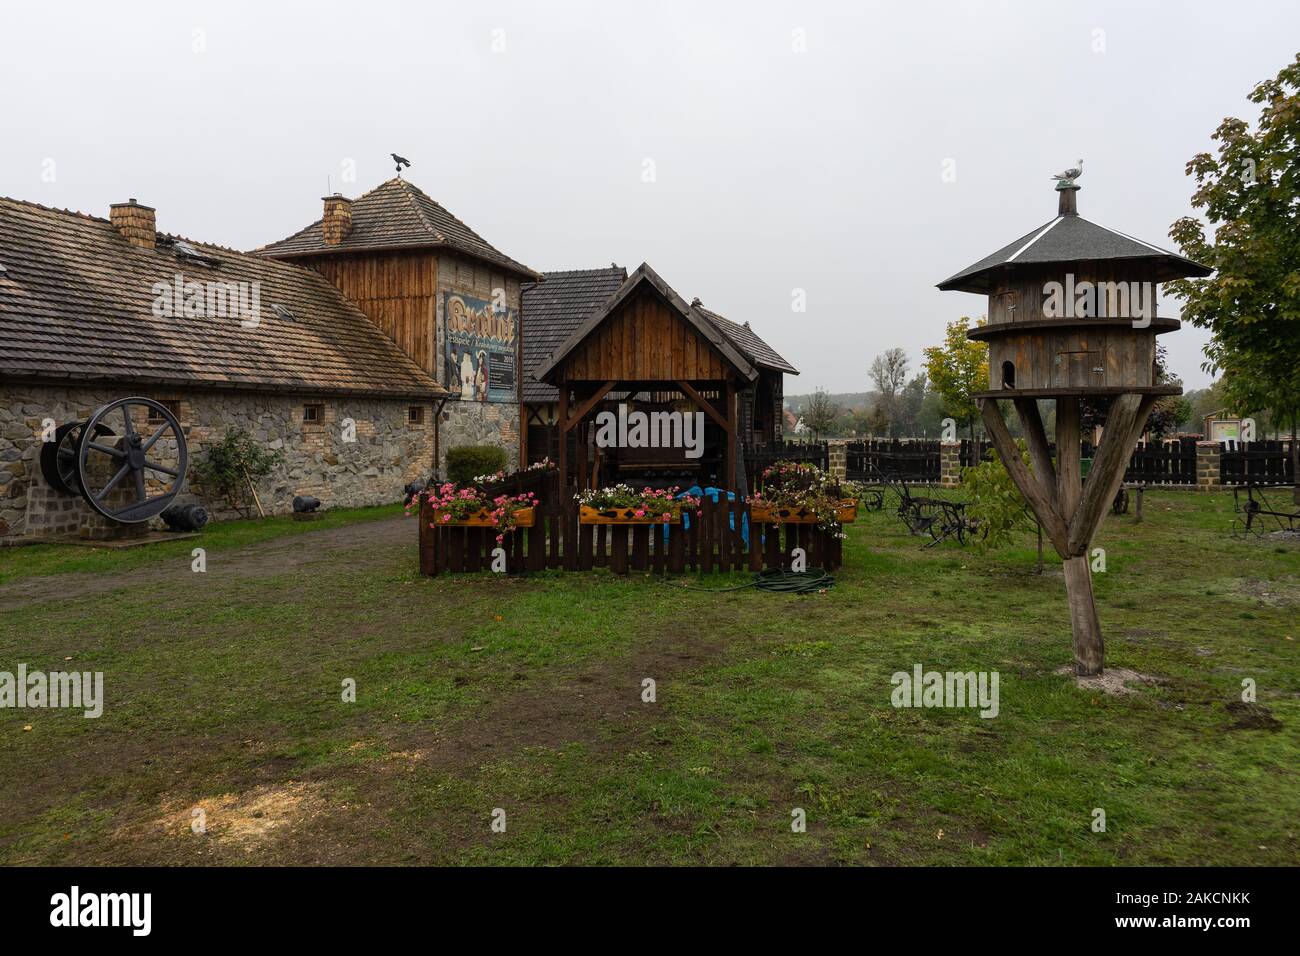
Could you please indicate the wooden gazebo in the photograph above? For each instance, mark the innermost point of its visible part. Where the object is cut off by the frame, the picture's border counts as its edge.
(648, 346)
(1072, 317)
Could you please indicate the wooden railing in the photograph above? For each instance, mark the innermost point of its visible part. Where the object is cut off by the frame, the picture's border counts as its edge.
(719, 538)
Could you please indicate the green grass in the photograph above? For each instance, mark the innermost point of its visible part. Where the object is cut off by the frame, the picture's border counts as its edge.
(477, 692)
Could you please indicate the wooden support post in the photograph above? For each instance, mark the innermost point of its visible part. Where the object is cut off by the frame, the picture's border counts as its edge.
(1043, 505)
(562, 417)
(1069, 475)
(1085, 628)
(729, 393)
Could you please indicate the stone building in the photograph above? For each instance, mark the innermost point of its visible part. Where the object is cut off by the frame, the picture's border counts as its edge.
(94, 309)
(434, 286)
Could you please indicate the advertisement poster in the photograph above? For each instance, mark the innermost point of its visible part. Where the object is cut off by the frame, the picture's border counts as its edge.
(480, 349)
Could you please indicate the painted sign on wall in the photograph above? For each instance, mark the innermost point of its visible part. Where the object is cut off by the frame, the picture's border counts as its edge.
(480, 343)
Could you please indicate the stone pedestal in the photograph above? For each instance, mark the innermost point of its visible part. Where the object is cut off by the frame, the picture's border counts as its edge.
(949, 464)
(1207, 466)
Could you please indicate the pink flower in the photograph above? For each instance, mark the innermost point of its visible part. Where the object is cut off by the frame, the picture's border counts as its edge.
(667, 516)
(500, 538)
(640, 512)
(446, 518)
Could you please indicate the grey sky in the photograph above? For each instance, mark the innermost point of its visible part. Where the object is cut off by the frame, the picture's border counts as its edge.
(775, 169)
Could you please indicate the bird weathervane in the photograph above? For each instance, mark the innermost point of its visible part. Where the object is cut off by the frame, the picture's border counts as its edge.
(1066, 179)
(400, 161)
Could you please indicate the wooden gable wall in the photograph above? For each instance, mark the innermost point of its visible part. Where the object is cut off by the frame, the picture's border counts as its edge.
(397, 291)
(645, 341)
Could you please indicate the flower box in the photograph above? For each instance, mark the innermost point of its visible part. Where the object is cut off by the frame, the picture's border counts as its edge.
(590, 515)
(524, 518)
(847, 513)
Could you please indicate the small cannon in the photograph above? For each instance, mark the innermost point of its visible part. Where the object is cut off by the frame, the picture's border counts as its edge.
(115, 474)
(185, 517)
(305, 504)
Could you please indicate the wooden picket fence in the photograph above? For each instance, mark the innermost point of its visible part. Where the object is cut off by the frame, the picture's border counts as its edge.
(714, 542)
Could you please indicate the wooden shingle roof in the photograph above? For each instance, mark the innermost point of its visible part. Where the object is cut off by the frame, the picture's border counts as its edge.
(554, 310)
(76, 305)
(396, 215)
(646, 276)
(1071, 238)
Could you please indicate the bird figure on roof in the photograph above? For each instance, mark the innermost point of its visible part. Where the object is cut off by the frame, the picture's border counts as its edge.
(400, 161)
(1068, 177)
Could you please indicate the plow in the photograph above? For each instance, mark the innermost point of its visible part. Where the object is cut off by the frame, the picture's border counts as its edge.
(1261, 512)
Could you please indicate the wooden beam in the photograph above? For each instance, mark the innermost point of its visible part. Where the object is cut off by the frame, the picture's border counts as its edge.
(585, 407)
(562, 413)
(1069, 477)
(1043, 507)
(705, 405)
(1039, 453)
(1124, 423)
(729, 395)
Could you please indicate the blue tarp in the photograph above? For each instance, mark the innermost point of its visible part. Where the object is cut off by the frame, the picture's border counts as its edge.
(714, 494)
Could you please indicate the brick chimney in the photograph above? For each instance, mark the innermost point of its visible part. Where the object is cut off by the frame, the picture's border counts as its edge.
(337, 222)
(135, 223)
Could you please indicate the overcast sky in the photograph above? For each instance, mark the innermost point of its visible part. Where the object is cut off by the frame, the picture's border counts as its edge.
(774, 169)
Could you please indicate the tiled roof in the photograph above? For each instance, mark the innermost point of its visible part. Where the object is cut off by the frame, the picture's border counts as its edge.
(747, 340)
(396, 215)
(76, 305)
(553, 309)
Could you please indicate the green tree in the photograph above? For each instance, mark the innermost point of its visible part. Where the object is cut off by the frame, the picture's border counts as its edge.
(889, 374)
(1250, 194)
(957, 369)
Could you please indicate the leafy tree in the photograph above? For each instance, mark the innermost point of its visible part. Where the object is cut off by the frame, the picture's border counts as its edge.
(995, 503)
(229, 468)
(1250, 194)
(877, 421)
(957, 369)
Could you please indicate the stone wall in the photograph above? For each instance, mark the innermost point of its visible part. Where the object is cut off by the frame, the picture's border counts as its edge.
(361, 452)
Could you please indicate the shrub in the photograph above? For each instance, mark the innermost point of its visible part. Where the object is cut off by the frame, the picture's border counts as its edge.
(467, 462)
(227, 469)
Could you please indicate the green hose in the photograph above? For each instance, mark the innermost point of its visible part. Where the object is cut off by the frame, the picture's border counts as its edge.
(780, 582)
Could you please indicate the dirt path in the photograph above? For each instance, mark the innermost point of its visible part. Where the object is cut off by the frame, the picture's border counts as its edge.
(363, 544)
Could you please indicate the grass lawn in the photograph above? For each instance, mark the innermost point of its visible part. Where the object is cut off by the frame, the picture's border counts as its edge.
(477, 692)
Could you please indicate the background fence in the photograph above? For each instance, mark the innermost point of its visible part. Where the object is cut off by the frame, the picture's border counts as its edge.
(1257, 462)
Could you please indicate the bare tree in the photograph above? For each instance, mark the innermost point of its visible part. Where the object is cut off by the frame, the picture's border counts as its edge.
(822, 413)
(889, 375)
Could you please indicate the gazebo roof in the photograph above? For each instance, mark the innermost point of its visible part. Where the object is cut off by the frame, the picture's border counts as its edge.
(693, 315)
(1071, 238)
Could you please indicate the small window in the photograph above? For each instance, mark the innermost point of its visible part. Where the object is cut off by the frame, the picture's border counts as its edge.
(1008, 374)
(415, 415)
(172, 405)
(313, 414)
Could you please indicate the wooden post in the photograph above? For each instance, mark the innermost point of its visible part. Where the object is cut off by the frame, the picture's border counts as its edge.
(1089, 651)
(729, 393)
(562, 418)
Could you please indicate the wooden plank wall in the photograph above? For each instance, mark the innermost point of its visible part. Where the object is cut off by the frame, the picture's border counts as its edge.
(397, 291)
(645, 341)
(713, 543)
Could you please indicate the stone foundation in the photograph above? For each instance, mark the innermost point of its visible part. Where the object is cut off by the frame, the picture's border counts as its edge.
(361, 452)
(479, 423)
(949, 464)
